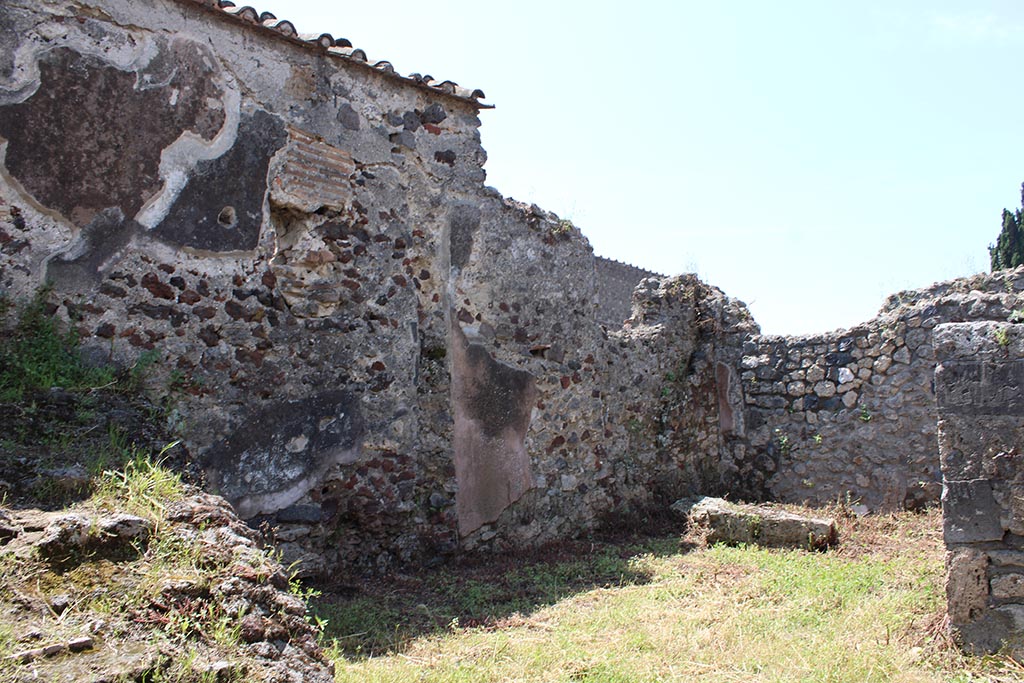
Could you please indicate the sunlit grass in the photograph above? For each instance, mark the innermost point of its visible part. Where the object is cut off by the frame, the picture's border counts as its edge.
(869, 613)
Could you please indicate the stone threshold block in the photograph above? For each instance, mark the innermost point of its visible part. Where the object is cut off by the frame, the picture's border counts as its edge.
(734, 524)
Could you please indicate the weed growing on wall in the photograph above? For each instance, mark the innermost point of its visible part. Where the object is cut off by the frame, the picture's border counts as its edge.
(37, 355)
(783, 442)
(1002, 336)
(65, 421)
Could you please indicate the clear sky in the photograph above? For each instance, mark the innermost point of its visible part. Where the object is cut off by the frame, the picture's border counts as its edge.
(806, 157)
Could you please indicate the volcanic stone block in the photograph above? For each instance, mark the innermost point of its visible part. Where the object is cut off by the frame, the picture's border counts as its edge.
(733, 524)
(978, 387)
(970, 512)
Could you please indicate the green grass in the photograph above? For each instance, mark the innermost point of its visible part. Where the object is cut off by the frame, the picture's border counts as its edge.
(143, 487)
(68, 431)
(38, 355)
(869, 611)
(478, 593)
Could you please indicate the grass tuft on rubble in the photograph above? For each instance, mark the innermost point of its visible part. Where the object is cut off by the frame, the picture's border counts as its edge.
(124, 597)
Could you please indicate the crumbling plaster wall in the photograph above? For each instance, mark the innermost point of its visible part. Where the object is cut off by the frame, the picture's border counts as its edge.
(367, 349)
(851, 414)
(375, 354)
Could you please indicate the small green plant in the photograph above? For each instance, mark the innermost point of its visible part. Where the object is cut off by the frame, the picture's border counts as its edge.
(783, 442)
(755, 524)
(818, 439)
(38, 355)
(138, 372)
(1016, 316)
(563, 227)
(1002, 336)
(865, 414)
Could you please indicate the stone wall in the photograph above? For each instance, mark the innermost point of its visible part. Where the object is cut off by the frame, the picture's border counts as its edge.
(367, 350)
(615, 284)
(851, 414)
(979, 385)
(372, 353)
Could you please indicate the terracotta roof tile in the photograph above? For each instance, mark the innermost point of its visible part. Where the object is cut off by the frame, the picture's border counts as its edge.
(339, 48)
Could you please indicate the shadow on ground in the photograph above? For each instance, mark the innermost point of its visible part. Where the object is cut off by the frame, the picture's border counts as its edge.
(493, 591)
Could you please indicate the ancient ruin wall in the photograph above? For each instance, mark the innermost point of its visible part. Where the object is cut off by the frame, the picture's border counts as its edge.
(374, 354)
(366, 349)
(265, 219)
(615, 284)
(851, 414)
(979, 384)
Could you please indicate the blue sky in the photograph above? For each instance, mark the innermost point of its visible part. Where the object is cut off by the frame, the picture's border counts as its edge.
(807, 157)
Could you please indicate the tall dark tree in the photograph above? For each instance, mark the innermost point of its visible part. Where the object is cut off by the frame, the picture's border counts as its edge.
(1008, 251)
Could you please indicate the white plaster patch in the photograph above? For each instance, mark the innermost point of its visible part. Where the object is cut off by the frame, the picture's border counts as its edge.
(297, 444)
(250, 506)
(180, 157)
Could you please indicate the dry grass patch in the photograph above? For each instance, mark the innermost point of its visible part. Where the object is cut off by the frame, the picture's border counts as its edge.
(869, 611)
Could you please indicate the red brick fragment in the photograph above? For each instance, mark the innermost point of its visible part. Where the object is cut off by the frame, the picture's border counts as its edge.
(156, 287)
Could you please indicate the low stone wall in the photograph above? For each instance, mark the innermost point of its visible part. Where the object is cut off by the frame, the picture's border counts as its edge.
(851, 414)
(979, 385)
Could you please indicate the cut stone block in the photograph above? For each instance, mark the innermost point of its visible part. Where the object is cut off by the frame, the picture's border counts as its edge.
(733, 523)
(966, 585)
(1008, 587)
(970, 513)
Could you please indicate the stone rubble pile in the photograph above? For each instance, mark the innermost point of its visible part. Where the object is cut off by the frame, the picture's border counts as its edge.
(239, 579)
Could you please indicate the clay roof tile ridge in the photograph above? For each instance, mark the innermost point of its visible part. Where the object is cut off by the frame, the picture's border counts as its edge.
(339, 47)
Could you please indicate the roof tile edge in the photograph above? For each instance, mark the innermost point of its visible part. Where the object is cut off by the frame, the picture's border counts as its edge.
(630, 265)
(339, 48)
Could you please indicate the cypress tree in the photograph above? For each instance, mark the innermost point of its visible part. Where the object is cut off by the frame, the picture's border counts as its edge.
(1008, 251)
